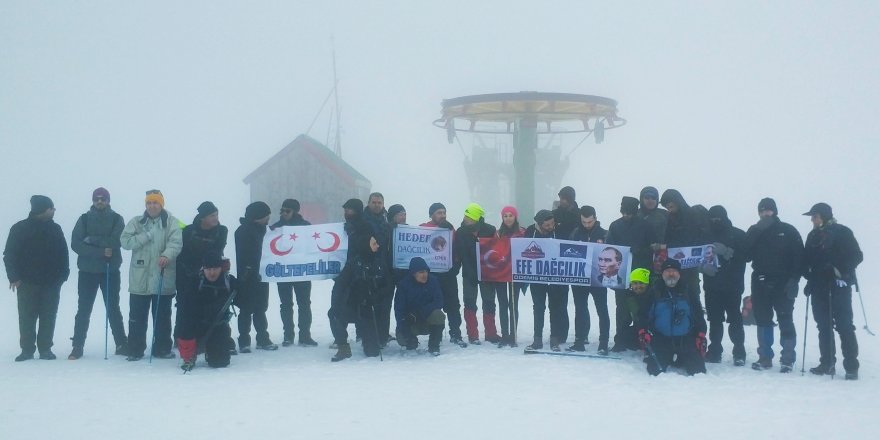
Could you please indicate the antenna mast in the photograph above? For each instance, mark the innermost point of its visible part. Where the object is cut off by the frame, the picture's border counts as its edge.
(338, 140)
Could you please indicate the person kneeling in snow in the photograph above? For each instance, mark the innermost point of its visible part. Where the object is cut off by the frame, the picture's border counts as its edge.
(673, 325)
(204, 316)
(418, 308)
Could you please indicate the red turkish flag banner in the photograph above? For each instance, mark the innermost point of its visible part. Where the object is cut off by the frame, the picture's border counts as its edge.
(494, 257)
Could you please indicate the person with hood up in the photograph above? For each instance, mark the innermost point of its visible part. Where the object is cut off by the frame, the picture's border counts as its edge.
(543, 295)
(37, 264)
(290, 216)
(155, 240)
(253, 293)
(684, 228)
(651, 212)
(418, 308)
(95, 240)
(473, 227)
(589, 230)
(673, 324)
(724, 287)
(448, 280)
(776, 251)
(831, 256)
(567, 214)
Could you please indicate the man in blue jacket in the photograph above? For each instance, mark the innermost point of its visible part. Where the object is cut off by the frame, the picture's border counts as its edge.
(418, 307)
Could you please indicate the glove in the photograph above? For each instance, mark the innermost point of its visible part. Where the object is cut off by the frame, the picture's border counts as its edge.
(701, 344)
(791, 288)
(708, 269)
(723, 251)
(808, 289)
(763, 224)
(644, 337)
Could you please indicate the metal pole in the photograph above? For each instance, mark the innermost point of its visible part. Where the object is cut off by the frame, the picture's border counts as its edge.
(106, 291)
(804, 351)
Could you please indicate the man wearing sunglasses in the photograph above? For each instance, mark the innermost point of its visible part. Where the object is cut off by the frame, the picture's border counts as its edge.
(95, 239)
(290, 216)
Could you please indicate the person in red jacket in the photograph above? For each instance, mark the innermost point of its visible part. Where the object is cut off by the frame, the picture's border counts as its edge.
(508, 302)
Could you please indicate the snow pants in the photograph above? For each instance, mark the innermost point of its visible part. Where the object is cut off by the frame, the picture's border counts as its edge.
(253, 302)
(581, 294)
(87, 290)
(666, 348)
(37, 303)
(832, 309)
(451, 303)
(720, 306)
(303, 290)
(554, 297)
(140, 309)
(768, 297)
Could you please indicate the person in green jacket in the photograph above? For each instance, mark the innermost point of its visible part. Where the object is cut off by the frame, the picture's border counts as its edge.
(155, 239)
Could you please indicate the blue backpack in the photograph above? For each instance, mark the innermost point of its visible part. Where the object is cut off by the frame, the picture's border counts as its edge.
(671, 316)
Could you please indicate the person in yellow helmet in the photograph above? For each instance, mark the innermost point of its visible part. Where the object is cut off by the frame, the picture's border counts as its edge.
(473, 227)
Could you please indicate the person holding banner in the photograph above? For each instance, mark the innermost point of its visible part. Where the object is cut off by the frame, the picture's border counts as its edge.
(448, 280)
(543, 295)
(508, 293)
(634, 231)
(418, 308)
(776, 251)
(356, 290)
(290, 216)
(253, 295)
(589, 230)
(725, 288)
(673, 324)
(474, 226)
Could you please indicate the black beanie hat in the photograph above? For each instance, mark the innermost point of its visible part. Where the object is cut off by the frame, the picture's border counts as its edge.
(434, 207)
(355, 204)
(206, 209)
(212, 259)
(39, 204)
(670, 263)
(718, 211)
(256, 211)
(588, 211)
(291, 204)
(629, 205)
(567, 193)
(768, 203)
(393, 210)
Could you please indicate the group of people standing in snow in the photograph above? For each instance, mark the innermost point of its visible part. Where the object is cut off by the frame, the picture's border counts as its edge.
(661, 313)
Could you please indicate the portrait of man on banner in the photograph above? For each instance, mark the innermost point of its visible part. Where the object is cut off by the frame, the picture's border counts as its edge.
(609, 263)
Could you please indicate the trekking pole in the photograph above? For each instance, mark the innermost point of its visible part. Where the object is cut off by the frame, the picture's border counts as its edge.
(804, 351)
(864, 315)
(156, 312)
(830, 324)
(106, 306)
(651, 353)
(510, 312)
(376, 332)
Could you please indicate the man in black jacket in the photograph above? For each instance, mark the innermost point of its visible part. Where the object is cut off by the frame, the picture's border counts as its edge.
(95, 240)
(567, 215)
(724, 288)
(448, 280)
(831, 256)
(776, 252)
(37, 264)
(290, 216)
(633, 231)
(656, 217)
(356, 290)
(473, 227)
(552, 296)
(590, 231)
(684, 228)
(253, 295)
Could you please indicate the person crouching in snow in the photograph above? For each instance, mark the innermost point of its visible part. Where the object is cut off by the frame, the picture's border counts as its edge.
(418, 308)
(673, 325)
(636, 299)
(204, 315)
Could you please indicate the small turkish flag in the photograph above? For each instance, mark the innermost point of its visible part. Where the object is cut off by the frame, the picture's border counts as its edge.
(495, 261)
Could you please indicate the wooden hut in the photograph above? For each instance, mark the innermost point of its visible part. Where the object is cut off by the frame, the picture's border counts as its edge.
(308, 171)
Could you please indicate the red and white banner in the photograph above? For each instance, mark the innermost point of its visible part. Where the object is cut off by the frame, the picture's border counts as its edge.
(494, 258)
(303, 253)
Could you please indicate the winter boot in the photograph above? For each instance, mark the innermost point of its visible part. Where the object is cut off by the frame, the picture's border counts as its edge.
(47, 355)
(739, 362)
(537, 344)
(343, 352)
(578, 346)
(75, 354)
(24, 357)
(470, 319)
(764, 363)
(434, 338)
(267, 345)
(507, 341)
(307, 341)
(489, 326)
(121, 349)
(852, 375)
(603, 348)
(188, 349)
(288, 340)
(823, 369)
(188, 365)
(786, 368)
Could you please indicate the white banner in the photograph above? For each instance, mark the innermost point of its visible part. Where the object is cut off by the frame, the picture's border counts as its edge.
(552, 261)
(432, 244)
(694, 256)
(303, 253)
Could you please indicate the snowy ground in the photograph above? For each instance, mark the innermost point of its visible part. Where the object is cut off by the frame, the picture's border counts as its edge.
(477, 392)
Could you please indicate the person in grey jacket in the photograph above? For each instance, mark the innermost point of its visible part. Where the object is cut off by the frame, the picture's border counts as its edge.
(155, 240)
(95, 239)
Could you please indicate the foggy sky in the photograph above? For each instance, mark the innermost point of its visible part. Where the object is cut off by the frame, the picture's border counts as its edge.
(726, 102)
